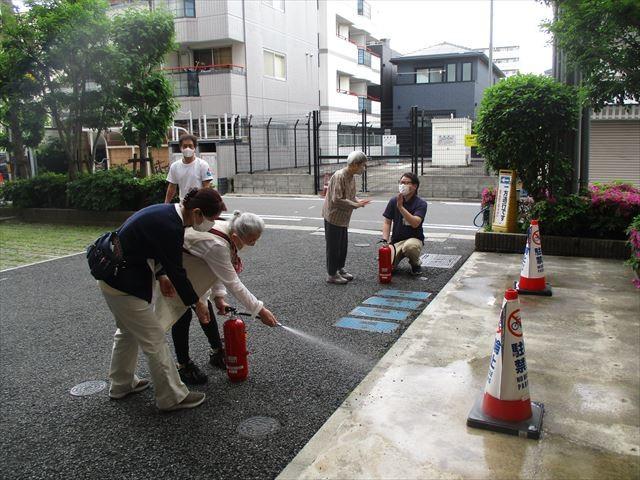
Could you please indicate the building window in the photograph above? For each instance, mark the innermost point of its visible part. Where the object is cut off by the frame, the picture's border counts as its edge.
(364, 8)
(277, 4)
(182, 8)
(275, 65)
(466, 72)
(451, 72)
(364, 57)
(429, 75)
(212, 56)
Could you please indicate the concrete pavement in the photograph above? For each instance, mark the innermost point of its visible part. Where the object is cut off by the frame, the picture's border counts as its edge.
(407, 418)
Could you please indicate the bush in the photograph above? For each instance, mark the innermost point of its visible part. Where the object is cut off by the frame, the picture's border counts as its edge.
(48, 190)
(525, 124)
(153, 189)
(634, 241)
(605, 211)
(115, 189)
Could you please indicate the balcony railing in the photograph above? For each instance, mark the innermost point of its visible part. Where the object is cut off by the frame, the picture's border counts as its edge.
(364, 101)
(186, 80)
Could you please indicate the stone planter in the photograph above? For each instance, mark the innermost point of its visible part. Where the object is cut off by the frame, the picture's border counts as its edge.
(551, 245)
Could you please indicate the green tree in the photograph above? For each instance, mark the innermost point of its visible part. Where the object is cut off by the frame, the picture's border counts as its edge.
(22, 115)
(523, 125)
(141, 39)
(71, 47)
(602, 39)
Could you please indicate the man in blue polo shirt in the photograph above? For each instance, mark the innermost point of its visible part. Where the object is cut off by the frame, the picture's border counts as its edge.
(403, 219)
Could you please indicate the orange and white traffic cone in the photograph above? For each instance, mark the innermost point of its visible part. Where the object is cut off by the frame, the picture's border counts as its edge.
(506, 406)
(532, 281)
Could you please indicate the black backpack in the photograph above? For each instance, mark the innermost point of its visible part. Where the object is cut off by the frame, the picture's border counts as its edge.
(105, 256)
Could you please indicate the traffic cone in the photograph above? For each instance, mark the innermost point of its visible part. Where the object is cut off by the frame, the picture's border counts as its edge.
(505, 406)
(532, 281)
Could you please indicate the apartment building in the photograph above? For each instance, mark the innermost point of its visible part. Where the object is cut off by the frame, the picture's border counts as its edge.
(349, 68)
(506, 58)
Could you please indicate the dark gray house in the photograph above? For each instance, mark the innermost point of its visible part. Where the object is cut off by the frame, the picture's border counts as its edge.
(440, 80)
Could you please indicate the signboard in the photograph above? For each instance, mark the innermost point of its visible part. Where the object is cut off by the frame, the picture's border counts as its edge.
(446, 140)
(471, 140)
(504, 219)
(388, 140)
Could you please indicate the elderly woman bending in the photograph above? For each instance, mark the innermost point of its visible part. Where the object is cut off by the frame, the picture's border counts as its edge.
(213, 263)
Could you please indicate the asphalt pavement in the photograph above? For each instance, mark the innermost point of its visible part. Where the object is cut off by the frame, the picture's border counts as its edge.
(56, 332)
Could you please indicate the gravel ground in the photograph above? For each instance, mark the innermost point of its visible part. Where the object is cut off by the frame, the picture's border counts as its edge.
(56, 332)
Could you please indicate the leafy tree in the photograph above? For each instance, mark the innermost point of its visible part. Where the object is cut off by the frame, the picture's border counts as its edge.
(522, 125)
(71, 47)
(602, 39)
(21, 111)
(141, 39)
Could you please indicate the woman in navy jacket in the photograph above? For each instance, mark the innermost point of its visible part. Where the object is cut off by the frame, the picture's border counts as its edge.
(151, 239)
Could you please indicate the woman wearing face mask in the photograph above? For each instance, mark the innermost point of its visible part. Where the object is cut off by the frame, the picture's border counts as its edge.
(213, 263)
(152, 237)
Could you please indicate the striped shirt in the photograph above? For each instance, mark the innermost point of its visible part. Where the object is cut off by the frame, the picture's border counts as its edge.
(340, 201)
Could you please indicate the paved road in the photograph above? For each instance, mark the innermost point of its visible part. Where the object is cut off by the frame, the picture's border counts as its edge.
(442, 217)
(56, 332)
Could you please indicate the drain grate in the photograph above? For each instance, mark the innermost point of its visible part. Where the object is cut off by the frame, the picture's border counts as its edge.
(88, 388)
(256, 427)
(439, 261)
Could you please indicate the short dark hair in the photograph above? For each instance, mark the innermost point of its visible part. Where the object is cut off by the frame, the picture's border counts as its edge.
(188, 136)
(413, 177)
(206, 199)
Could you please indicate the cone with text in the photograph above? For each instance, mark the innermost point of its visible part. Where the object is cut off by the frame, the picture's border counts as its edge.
(532, 280)
(505, 405)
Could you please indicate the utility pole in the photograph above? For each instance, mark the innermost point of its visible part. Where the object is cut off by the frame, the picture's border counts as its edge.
(490, 83)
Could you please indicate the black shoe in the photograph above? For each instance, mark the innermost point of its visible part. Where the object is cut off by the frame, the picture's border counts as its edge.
(191, 374)
(216, 359)
(416, 270)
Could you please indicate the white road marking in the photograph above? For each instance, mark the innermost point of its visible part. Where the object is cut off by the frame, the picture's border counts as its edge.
(42, 261)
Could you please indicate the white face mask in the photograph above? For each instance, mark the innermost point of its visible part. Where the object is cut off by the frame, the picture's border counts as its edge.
(205, 226)
(403, 189)
(188, 152)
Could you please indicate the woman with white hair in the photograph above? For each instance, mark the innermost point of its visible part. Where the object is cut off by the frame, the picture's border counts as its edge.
(212, 262)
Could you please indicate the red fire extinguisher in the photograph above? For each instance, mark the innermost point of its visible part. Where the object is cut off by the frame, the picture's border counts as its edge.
(384, 262)
(235, 346)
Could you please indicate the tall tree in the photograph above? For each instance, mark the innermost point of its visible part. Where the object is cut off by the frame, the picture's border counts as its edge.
(71, 47)
(602, 39)
(141, 39)
(21, 113)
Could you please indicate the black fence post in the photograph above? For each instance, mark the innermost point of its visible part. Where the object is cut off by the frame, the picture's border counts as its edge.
(364, 146)
(235, 140)
(295, 144)
(414, 139)
(250, 145)
(338, 142)
(309, 140)
(422, 142)
(268, 146)
(316, 166)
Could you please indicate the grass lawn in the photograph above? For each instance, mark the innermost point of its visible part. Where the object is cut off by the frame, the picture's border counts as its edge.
(24, 243)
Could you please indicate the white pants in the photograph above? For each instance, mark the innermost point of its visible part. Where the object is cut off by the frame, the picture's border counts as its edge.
(138, 326)
(410, 248)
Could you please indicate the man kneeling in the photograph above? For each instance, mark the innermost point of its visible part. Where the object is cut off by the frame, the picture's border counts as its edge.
(403, 219)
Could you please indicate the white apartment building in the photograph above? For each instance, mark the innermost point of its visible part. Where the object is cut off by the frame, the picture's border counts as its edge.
(506, 58)
(347, 66)
(236, 57)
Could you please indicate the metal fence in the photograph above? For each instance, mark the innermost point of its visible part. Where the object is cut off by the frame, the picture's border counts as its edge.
(424, 142)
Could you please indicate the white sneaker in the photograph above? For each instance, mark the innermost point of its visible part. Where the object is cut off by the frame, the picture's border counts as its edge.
(346, 275)
(337, 279)
(192, 400)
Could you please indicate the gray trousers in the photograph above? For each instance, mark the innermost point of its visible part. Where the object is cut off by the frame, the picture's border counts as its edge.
(337, 241)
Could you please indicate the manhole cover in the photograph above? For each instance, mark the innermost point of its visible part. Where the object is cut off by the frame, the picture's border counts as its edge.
(439, 261)
(255, 427)
(88, 388)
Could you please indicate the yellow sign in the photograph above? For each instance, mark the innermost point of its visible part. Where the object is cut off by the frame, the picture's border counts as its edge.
(471, 140)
